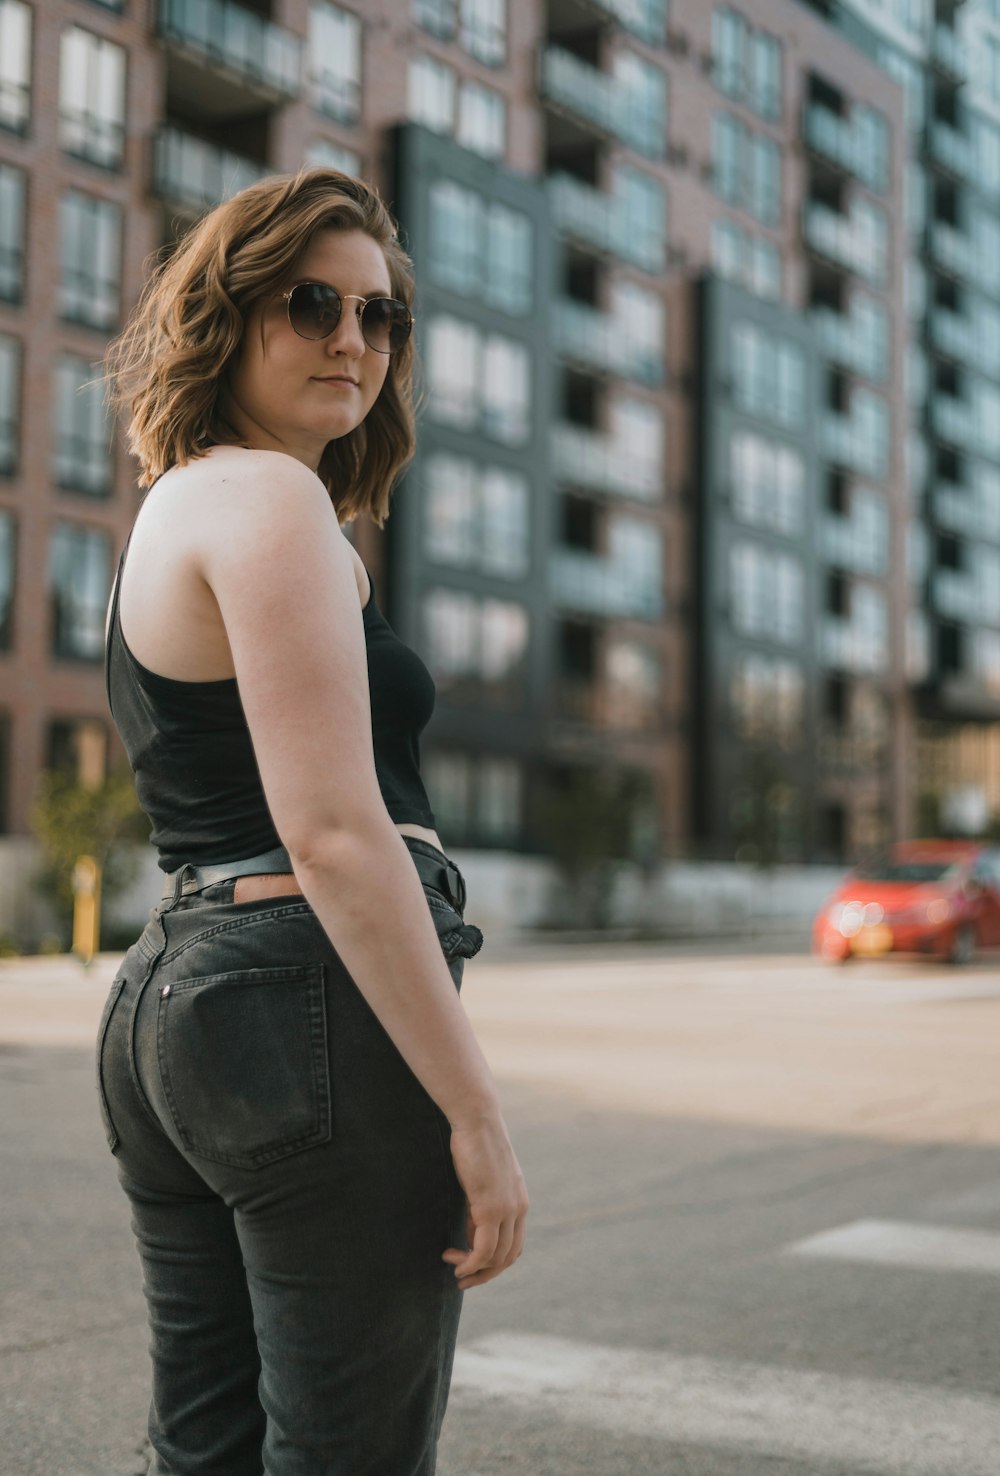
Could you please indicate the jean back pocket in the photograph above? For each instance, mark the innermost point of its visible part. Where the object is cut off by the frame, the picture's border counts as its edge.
(244, 1063)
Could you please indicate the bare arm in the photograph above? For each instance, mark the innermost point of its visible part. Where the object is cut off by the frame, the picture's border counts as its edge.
(282, 574)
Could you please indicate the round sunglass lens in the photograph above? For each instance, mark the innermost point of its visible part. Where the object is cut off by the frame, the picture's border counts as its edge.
(314, 309)
(386, 324)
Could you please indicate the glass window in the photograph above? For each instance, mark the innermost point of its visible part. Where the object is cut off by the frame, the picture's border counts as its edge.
(456, 236)
(10, 404)
(333, 156)
(911, 75)
(82, 432)
(504, 529)
(634, 683)
(482, 120)
(644, 88)
(986, 145)
(638, 433)
(80, 580)
(12, 214)
(477, 647)
(729, 38)
(870, 416)
(91, 97)
(450, 510)
(767, 696)
(498, 798)
(644, 214)
(727, 157)
(453, 371)
(764, 178)
(15, 65)
(729, 245)
(639, 319)
(504, 647)
(506, 390)
(431, 94)
(986, 60)
(439, 17)
(334, 61)
(483, 30)
(510, 278)
(768, 483)
(448, 777)
(872, 134)
(790, 384)
(8, 567)
(90, 251)
(635, 549)
(765, 75)
(870, 228)
(763, 268)
(870, 325)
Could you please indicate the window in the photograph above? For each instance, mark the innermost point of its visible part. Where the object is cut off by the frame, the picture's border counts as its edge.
(768, 375)
(767, 590)
(871, 132)
(727, 157)
(767, 696)
(476, 517)
(499, 796)
(456, 236)
(90, 250)
(746, 168)
(635, 552)
(506, 390)
(482, 120)
(643, 209)
(79, 577)
(477, 648)
(483, 30)
(746, 65)
(640, 321)
(431, 94)
(763, 185)
(333, 156)
(10, 404)
(15, 65)
(768, 483)
(644, 88)
(436, 16)
(765, 75)
(82, 429)
(634, 683)
(8, 566)
(752, 261)
(12, 213)
(448, 777)
(91, 97)
(869, 323)
(334, 61)
(479, 382)
(639, 436)
(509, 280)
(453, 370)
(870, 419)
(729, 39)
(870, 229)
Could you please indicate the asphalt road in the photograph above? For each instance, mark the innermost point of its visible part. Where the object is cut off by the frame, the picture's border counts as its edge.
(765, 1234)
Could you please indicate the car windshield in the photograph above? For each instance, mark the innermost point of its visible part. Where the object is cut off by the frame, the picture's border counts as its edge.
(889, 870)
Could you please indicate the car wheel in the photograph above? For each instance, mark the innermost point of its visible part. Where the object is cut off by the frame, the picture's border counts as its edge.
(963, 945)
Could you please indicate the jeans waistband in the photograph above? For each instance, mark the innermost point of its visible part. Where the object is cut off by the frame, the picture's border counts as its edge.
(433, 867)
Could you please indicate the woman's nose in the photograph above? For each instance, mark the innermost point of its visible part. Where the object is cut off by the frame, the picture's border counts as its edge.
(347, 335)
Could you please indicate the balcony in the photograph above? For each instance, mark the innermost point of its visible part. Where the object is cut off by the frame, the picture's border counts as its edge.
(847, 545)
(958, 337)
(592, 338)
(953, 421)
(845, 442)
(848, 647)
(194, 175)
(595, 219)
(843, 242)
(955, 509)
(587, 582)
(838, 140)
(594, 462)
(952, 150)
(953, 251)
(644, 18)
(225, 62)
(948, 53)
(843, 342)
(590, 95)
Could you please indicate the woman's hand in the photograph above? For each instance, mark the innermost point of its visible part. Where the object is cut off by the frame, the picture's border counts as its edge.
(496, 1196)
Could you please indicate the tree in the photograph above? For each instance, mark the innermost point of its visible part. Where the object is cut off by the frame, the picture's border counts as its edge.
(72, 819)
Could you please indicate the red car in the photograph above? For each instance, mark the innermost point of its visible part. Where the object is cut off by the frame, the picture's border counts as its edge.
(935, 897)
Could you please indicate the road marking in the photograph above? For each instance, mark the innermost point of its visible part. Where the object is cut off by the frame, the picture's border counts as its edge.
(897, 1428)
(896, 1243)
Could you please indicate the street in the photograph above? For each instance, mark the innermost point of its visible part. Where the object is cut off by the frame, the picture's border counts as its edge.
(764, 1237)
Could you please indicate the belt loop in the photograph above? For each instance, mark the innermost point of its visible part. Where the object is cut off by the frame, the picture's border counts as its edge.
(179, 877)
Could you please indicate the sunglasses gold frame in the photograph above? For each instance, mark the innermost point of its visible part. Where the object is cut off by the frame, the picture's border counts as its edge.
(286, 297)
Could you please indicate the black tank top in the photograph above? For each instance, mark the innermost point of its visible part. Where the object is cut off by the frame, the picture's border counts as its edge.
(189, 746)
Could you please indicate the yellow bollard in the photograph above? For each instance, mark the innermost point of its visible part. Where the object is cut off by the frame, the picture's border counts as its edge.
(86, 908)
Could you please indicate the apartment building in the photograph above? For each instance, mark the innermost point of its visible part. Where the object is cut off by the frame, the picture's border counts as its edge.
(659, 510)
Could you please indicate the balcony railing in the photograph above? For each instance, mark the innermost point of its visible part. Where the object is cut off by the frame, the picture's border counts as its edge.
(956, 596)
(841, 340)
(839, 140)
(839, 239)
(588, 459)
(958, 337)
(644, 18)
(843, 441)
(595, 338)
(585, 581)
(583, 90)
(189, 171)
(952, 149)
(848, 647)
(225, 34)
(597, 219)
(953, 250)
(846, 545)
(955, 508)
(949, 53)
(954, 421)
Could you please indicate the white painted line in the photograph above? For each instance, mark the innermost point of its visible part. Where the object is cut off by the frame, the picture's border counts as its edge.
(898, 1429)
(896, 1243)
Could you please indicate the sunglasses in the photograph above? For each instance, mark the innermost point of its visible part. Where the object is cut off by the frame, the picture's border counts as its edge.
(314, 310)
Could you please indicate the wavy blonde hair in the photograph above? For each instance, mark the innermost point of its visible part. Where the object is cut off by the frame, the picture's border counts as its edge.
(165, 369)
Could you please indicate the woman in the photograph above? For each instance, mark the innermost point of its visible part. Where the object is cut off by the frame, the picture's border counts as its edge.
(303, 1122)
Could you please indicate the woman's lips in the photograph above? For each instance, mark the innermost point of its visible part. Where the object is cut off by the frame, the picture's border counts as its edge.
(338, 382)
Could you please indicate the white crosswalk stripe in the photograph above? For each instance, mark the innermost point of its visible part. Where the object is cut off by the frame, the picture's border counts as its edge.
(898, 1243)
(896, 1428)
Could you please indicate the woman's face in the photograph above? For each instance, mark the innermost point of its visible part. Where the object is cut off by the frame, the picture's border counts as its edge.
(274, 396)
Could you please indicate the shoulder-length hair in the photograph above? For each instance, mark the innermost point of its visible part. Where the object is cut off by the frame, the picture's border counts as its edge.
(167, 366)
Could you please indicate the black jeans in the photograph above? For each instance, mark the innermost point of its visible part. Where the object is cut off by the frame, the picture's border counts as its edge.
(292, 1191)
